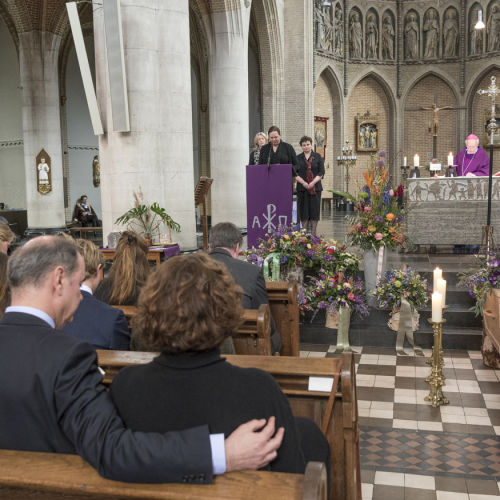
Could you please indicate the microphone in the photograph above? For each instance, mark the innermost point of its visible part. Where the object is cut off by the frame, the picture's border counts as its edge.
(269, 156)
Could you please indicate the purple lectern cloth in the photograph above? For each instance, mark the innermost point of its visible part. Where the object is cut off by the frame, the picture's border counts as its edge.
(478, 164)
(171, 251)
(269, 200)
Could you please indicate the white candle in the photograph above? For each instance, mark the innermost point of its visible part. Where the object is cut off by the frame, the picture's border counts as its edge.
(437, 308)
(416, 161)
(450, 159)
(438, 273)
(405, 161)
(441, 288)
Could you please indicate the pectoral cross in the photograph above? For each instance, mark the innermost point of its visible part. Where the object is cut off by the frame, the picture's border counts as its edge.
(435, 120)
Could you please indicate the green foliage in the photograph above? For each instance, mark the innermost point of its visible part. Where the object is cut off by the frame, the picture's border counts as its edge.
(148, 218)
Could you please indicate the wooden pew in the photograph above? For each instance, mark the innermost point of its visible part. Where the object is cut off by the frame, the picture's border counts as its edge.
(154, 254)
(25, 474)
(253, 336)
(335, 411)
(284, 306)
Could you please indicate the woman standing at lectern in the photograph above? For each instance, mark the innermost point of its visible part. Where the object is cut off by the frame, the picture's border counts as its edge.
(277, 151)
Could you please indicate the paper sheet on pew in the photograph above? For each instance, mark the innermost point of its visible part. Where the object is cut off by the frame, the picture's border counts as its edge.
(320, 384)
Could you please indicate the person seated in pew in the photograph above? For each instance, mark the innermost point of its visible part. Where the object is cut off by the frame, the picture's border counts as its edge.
(190, 382)
(52, 398)
(127, 274)
(224, 242)
(94, 321)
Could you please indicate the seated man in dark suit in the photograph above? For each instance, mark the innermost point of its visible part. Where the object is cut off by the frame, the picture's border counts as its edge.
(224, 242)
(84, 213)
(94, 321)
(52, 398)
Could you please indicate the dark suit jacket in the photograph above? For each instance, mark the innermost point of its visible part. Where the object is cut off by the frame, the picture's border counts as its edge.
(52, 399)
(205, 388)
(285, 154)
(99, 324)
(317, 167)
(251, 280)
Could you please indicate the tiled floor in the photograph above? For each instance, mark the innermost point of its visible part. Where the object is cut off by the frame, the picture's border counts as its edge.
(412, 451)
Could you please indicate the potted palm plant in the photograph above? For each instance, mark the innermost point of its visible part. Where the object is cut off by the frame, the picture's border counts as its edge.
(146, 219)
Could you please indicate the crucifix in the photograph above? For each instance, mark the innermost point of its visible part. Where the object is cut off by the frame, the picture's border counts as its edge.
(492, 92)
(435, 120)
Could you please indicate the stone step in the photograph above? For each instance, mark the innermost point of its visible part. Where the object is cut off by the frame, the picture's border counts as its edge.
(453, 338)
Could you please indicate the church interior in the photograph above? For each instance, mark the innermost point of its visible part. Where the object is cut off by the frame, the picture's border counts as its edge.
(177, 90)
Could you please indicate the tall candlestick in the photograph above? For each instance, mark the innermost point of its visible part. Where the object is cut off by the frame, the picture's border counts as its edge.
(441, 288)
(450, 159)
(437, 307)
(438, 273)
(416, 161)
(405, 160)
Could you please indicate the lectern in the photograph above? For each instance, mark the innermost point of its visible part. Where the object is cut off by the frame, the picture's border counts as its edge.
(269, 200)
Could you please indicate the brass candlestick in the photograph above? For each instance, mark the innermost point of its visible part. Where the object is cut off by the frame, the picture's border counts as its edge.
(441, 360)
(436, 379)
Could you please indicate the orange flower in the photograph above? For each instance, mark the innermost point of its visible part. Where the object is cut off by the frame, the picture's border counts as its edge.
(368, 178)
(392, 229)
(390, 216)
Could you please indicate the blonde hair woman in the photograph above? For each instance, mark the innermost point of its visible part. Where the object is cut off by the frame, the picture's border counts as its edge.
(6, 237)
(258, 141)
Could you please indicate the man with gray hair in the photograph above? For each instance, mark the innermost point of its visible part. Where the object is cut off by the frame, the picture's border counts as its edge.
(224, 241)
(52, 398)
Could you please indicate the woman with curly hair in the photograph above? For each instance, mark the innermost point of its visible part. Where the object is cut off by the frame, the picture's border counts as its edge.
(128, 273)
(188, 306)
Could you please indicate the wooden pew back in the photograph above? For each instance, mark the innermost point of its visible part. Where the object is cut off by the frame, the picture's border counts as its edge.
(284, 306)
(25, 474)
(253, 336)
(335, 411)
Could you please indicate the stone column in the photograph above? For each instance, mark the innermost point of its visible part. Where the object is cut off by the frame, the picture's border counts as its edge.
(38, 61)
(229, 148)
(156, 156)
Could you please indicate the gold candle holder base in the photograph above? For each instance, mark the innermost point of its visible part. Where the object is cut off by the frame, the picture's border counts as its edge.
(436, 378)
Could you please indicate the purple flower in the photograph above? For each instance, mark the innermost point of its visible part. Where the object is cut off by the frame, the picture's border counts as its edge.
(382, 153)
(379, 163)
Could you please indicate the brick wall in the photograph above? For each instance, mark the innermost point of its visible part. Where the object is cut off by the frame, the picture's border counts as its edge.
(417, 137)
(368, 95)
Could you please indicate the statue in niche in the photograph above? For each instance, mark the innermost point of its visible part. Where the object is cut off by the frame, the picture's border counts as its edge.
(356, 36)
(96, 171)
(450, 29)
(411, 36)
(387, 38)
(493, 27)
(318, 19)
(371, 37)
(431, 28)
(43, 172)
(324, 27)
(339, 33)
(476, 36)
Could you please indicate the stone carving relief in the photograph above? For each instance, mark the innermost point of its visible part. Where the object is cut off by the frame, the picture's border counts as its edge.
(493, 28)
(431, 34)
(388, 36)
(329, 34)
(355, 35)
(450, 33)
(475, 36)
(371, 35)
(412, 35)
(452, 189)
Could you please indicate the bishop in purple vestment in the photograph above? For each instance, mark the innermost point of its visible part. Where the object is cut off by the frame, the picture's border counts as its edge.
(473, 160)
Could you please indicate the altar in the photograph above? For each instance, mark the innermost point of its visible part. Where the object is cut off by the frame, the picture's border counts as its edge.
(451, 210)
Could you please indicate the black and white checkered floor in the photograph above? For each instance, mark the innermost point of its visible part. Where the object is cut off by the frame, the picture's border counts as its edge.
(412, 451)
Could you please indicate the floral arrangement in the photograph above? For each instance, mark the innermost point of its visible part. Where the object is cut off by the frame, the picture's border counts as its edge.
(378, 219)
(482, 281)
(300, 248)
(332, 291)
(398, 284)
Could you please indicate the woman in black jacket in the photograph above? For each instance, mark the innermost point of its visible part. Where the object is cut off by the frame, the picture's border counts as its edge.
(310, 170)
(277, 151)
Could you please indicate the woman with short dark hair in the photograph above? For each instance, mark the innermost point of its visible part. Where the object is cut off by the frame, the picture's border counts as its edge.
(188, 306)
(310, 170)
(276, 151)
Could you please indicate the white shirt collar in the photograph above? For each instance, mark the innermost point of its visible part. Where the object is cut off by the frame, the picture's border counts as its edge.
(33, 311)
(86, 288)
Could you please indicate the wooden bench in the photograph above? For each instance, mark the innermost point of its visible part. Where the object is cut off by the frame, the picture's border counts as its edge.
(25, 474)
(253, 336)
(83, 232)
(284, 306)
(154, 254)
(335, 411)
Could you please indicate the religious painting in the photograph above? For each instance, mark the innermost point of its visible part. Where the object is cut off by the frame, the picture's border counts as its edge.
(96, 171)
(320, 128)
(43, 172)
(496, 135)
(367, 132)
